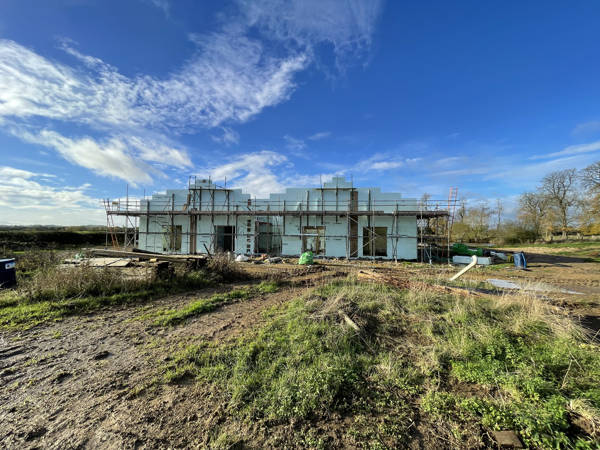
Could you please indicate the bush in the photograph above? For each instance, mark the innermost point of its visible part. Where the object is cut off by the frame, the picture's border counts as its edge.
(512, 233)
(47, 239)
(221, 265)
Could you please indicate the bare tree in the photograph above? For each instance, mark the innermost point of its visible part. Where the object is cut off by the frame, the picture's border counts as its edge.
(461, 212)
(590, 204)
(590, 177)
(498, 212)
(533, 210)
(560, 188)
(478, 217)
(425, 200)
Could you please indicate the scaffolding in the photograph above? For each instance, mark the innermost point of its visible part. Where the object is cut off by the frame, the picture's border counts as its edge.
(131, 222)
(200, 205)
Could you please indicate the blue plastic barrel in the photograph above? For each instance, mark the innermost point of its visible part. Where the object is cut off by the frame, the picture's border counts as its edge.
(520, 260)
(517, 260)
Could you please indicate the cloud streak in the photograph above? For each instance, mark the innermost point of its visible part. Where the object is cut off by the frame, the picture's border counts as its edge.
(571, 150)
(591, 127)
(25, 198)
(130, 122)
(229, 137)
(319, 136)
(265, 172)
(229, 79)
(252, 172)
(347, 26)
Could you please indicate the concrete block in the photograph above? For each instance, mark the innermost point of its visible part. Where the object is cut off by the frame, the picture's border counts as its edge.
(481, 260)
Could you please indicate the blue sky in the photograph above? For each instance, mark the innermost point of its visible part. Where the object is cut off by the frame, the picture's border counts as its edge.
(410, 96)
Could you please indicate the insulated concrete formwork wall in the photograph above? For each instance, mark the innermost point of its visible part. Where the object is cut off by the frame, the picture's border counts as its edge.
(337, 195)
(155, 228)
(335, 240)
(206, 197)
(315, 201)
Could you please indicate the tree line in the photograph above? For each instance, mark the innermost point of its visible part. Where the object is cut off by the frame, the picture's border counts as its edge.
(566, 203)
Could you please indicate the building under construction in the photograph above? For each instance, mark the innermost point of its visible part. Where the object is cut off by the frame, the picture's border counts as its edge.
(334, 220)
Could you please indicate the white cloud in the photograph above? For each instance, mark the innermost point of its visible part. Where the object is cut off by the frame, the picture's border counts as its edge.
(231, 77)
(590, 127)
(229, 137)
(265, 172)
(382, 162)
(467, 171)
(319, 136)
(571, 150)
(228, 79)
(448, 161)
(534, 172)
(252, 172)
(293, 143)
(163, 5)
(347, 26)
(109, 158)
(262, 173)
(11, 173)
(157, 149)
(24, 199)
(386, 165)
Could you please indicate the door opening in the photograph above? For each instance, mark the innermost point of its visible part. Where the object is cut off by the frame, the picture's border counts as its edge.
(225, 238)
(314, 240)
(375, 243)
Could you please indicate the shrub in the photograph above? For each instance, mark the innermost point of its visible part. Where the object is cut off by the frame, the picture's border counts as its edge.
(221, 265)
(512, 233)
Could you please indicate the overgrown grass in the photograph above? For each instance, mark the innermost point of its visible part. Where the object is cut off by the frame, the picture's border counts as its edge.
(451, 367)
(19, 311)
(197, 307)
(51, 292)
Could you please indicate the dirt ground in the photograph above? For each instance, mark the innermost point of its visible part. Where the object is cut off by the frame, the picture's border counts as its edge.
(72, 383)
(547, 269)
(75, 383)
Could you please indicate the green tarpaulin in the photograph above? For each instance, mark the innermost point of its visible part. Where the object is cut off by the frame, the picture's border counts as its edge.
(462, 249)
(306, 258)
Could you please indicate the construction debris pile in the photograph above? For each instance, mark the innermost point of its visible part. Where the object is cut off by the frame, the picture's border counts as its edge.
(136, 263)
(462, 254)
(261, 259)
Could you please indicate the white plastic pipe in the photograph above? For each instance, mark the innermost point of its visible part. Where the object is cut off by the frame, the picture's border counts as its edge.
(468, 267)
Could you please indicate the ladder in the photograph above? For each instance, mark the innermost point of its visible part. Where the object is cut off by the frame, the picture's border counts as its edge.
(452, 199)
